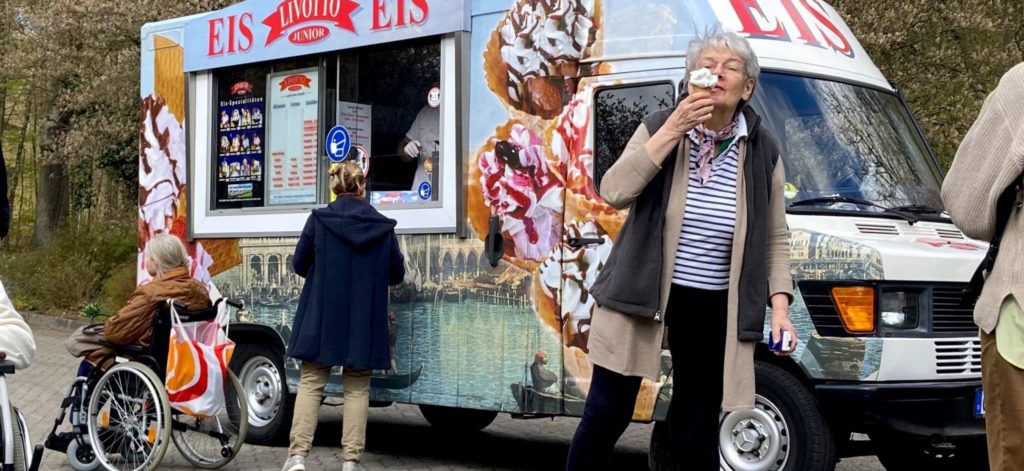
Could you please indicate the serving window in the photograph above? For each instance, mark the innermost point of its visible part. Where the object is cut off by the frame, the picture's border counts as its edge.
(389, 99)
(264, 136)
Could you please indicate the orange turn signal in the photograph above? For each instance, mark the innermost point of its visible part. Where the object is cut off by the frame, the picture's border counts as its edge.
(856, 306)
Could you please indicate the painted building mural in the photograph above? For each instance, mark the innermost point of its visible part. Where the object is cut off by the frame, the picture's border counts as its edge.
(513, 337)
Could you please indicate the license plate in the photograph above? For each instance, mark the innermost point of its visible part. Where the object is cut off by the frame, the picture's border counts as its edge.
(979, 403)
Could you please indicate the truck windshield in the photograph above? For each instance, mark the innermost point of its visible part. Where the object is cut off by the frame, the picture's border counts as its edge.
(848, 141)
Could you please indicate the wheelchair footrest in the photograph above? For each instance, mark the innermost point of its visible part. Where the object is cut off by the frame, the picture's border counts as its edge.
(59, 442)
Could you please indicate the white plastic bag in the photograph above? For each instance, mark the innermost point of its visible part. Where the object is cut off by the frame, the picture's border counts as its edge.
(198, 355)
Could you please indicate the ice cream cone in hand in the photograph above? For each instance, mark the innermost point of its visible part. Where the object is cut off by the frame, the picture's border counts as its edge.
(702, 80)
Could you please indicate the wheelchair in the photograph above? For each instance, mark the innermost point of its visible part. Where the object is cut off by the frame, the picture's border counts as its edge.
(15, 444)
(122, 419)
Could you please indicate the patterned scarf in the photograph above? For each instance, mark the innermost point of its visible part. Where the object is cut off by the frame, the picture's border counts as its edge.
(707, 140)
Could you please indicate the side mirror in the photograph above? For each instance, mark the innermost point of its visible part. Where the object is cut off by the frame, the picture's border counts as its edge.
(494, 242)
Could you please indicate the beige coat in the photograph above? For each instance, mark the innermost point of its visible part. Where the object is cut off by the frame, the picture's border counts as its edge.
(631, 345)
(989, 160)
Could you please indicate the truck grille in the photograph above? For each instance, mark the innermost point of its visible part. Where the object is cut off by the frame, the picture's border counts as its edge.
(949, 315)
(957, 357)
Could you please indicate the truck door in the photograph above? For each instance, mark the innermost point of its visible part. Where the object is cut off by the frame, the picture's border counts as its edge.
(588, 138)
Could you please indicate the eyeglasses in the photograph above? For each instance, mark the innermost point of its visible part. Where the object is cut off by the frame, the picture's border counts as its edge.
(730, 67)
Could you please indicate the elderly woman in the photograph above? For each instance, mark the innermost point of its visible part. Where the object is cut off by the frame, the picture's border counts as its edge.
(703, 251)
(167, 262)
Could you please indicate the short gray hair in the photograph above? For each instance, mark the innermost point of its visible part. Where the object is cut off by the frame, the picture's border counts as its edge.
(731, 41)
(168, 252)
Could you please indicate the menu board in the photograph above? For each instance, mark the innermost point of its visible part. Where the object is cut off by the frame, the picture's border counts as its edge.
(357, 117)
(294, 123)
(239, 165)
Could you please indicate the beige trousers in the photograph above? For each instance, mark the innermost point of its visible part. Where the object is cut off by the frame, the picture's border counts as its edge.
(307, 408)
(1004, 408)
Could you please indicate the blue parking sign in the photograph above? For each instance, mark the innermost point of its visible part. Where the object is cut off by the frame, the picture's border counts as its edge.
(339, 142)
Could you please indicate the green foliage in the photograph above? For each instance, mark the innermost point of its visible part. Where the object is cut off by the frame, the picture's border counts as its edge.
(945, 56)
(117, 287)
(79, 268)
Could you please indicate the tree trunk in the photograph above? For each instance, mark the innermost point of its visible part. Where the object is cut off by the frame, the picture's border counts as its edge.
(52, 192)
(51, 202)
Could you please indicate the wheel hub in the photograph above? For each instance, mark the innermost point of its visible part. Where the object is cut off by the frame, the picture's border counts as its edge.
(749, 435)
(260, 377)
(754, 440)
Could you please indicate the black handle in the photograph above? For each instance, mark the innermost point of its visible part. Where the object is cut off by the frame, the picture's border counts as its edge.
(577, 242)
(494, 242)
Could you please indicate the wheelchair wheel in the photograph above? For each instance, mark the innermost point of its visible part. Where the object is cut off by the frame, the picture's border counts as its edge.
(81, 457)
(20, 434)
(129, 418)
(213, 442)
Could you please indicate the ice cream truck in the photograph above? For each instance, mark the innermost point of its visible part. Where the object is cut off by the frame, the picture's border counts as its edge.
(484, 127)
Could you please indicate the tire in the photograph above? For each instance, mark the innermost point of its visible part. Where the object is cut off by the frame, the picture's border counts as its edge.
(192, 436)
(81, 457)
(129, 417)
(260, 368)
(659, 455)
(456, 420)
(20, 441)
(786, 428)
(807, 443)
(903, 453)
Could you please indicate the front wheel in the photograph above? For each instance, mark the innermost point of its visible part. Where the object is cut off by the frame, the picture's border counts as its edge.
(81, 457)
(457, 420)
(785, 431)
(260, 368)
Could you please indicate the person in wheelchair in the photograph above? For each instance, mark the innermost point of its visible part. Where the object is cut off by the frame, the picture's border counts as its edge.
(167, 262)
(128, 332)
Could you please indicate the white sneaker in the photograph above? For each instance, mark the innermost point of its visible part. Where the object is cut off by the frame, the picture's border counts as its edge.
(295, 463)
(352, 466)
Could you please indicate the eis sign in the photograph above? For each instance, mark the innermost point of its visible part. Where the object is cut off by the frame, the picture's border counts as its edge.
(302, 22)
(803, 22)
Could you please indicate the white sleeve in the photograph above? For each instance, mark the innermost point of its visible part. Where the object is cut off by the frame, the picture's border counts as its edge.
(15, 335)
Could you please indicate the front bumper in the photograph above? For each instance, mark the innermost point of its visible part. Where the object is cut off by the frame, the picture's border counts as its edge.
(925, 409)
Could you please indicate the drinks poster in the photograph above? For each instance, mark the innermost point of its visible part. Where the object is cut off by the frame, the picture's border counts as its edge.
(294, 129)
(240, 135)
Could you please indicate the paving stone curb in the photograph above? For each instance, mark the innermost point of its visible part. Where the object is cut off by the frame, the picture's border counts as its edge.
(45, 321)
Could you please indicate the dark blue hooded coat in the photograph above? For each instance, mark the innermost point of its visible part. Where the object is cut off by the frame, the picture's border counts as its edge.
(348, 254)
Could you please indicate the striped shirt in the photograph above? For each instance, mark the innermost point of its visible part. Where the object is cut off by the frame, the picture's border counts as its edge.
(703, 256)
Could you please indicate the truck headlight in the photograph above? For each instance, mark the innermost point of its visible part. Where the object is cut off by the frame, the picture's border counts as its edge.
(900, 309)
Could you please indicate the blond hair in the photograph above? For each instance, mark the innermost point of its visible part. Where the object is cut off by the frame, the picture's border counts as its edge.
(347, 179)
(168, 252)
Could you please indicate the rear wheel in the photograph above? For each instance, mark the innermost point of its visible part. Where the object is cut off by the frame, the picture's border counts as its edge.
(260, 369)
(19, 432)
(212, 442)
(129, 418)
(454, 419)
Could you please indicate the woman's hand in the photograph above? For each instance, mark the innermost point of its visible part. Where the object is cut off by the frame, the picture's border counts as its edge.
(781, 322)
(694, 110)
(691, 112)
